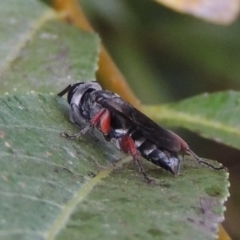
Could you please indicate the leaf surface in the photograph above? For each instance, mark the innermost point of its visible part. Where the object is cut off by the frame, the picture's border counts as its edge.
(53, 188)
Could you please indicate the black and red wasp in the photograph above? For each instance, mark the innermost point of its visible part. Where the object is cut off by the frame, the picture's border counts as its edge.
(129, 129)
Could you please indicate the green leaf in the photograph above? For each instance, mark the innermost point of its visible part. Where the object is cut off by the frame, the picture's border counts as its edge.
(53, 188)
(40, 52)
(214, 116)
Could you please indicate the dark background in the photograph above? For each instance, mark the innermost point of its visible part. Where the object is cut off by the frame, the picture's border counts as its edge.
(166, 56)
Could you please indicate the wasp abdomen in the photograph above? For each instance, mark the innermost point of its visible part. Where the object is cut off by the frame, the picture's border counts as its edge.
(160, 157)
(166, 160)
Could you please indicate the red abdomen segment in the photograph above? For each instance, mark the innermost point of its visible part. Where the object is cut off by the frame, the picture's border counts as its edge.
(128, 146)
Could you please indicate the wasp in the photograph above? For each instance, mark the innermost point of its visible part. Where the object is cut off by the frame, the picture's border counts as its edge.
(129, 129)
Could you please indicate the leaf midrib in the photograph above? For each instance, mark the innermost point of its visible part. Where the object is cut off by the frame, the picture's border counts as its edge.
(65, 214)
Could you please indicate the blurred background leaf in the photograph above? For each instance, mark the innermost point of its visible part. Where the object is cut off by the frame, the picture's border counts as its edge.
(214, 116)
(220, 12)
(39, 51)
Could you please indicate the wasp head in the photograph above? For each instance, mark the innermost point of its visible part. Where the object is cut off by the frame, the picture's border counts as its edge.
(77, 90)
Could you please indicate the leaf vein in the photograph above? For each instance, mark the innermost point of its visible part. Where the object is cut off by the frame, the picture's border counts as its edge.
(48, 15)
(20, 231)
(33, 198)
(63, 217)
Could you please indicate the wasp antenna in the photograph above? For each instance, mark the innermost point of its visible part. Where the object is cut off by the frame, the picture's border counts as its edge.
(64, 90)
(200, 161)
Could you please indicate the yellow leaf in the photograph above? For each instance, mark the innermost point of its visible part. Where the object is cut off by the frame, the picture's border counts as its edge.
(216, 11)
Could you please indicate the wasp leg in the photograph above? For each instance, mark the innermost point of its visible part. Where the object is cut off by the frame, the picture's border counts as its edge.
(76, 135)
(141, 169)
(200, 161)
(128, 146)
(89, 127)
(103, 120)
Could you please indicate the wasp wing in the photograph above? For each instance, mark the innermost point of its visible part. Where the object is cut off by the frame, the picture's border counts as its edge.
(150, 130)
